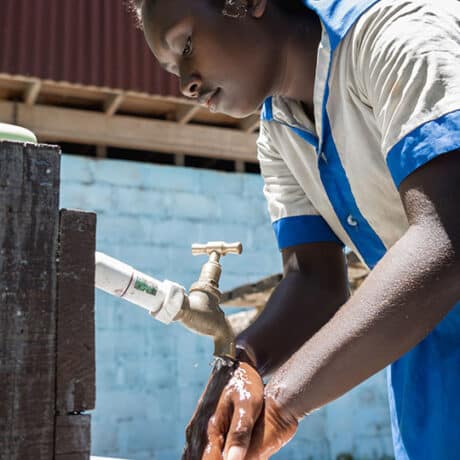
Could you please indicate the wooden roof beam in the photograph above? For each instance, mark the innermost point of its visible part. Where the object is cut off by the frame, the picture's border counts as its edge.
(32, 91)
(89, 127)
(113, 103)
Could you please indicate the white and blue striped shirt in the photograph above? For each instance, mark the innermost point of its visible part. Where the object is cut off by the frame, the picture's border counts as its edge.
(386, 101)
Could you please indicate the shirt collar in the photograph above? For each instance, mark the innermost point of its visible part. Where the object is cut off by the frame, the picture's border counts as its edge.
(338, 16)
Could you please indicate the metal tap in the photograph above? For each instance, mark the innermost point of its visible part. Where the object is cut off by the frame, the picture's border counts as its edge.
(201, 312)
(168, 302)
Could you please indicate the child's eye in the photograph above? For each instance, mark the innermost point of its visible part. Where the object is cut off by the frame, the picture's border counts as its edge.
(188, 47)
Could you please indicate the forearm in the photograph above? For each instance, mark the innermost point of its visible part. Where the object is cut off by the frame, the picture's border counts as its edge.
(405, 297)
(305, 300)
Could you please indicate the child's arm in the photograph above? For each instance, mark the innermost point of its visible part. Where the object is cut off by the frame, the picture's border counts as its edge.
(314, 286)
(407, 294)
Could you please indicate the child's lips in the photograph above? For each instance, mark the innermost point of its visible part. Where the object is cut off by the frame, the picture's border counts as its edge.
(208, 98)
(211, 104)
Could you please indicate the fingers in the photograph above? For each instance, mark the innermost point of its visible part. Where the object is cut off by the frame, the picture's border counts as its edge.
(246, 392)
(197, 438)
(217, 428)
(239, 434)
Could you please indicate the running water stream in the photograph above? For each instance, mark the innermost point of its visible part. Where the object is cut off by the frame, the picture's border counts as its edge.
(196, 433)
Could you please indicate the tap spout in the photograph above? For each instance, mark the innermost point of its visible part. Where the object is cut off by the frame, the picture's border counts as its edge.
(201, 314)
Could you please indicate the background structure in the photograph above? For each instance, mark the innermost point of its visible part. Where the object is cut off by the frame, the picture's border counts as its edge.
(79, 74)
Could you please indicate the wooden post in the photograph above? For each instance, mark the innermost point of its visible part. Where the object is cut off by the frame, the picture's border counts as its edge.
(29, 218)
(47, 365)
(75, 364)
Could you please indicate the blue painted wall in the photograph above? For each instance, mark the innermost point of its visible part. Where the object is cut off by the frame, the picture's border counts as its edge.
(149, 376)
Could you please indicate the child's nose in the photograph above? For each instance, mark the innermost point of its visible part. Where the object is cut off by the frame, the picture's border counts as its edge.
(191, 86)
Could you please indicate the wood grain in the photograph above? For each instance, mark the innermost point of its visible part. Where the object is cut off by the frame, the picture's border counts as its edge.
(75, 375)
(29, 193)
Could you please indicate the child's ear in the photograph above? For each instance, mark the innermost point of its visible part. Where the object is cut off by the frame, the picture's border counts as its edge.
(258, 8)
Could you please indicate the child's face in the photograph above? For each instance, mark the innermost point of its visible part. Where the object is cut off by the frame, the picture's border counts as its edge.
(227, 64)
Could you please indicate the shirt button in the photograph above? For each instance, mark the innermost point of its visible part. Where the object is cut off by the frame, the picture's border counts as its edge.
(351, 221)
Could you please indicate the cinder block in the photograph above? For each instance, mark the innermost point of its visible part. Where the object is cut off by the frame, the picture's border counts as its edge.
(120, 173)
(181, 259)
(92, 197)
(124, 229)
(106, 311)
(175, 233)
(263, 237)
(155, 258)
(218, 231)
(216, 183)
(253, 186)
(233, 208)
(75, 169)
(139, 202)
(194, 206)
(126, 403)
(161, 372)
(172, 178)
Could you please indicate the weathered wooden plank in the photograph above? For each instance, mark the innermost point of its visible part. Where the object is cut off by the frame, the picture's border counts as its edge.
(75, 374)
(88, 127)
(29, 190)
(73, 437)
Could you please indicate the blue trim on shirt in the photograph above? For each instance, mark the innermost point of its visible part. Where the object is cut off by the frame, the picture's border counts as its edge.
(338, 189)
(307, 136)
(337, 186)
(424, 144)
(266, 113)
(338, 16)
(291, 231)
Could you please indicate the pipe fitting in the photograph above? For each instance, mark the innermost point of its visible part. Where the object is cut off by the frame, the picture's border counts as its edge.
(201, 314)
(162, 299)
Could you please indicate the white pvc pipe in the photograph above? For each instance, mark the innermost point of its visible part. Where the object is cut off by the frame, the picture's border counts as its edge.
(163, 300)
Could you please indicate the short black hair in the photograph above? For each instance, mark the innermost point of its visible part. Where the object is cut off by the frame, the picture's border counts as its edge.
(290, 6)
(135, 7)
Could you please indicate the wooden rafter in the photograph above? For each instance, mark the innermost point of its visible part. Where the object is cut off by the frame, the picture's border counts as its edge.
(32, 91)
(112, 103)
(186, 113)
(89, 127)
(95, 112)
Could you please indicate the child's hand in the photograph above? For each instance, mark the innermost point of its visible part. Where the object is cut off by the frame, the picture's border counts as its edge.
(239, 407)
(245, 425)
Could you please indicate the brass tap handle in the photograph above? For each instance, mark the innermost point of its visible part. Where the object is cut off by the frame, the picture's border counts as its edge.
(219, 247)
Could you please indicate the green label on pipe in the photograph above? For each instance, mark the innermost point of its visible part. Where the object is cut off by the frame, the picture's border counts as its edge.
(145, 286)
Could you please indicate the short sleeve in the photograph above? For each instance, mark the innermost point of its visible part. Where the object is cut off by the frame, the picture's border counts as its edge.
(409, 64)
(295, 220)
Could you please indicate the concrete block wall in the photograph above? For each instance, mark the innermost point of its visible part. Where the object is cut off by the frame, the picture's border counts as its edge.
(149, 376)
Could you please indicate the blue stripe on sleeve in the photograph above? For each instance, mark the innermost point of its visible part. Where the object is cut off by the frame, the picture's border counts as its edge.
(266, 114)
(424, 144)
(291, 231)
